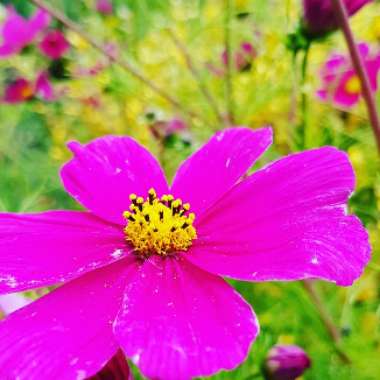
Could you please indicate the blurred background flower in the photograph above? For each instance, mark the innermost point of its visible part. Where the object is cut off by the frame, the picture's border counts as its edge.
(286, 362)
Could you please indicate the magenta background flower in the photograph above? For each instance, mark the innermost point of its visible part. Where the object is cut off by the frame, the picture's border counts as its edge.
(319, 16)
(340, 84)
(242, 56)
(21, 89)
(104, 6)
(17, 32)
(54, 44)
(286, 362)
(172, 314)
(43, 87)
(18, 91)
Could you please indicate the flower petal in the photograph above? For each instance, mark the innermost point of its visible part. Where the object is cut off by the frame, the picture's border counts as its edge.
(103, 174)
(178, 322)
(50, 247)
(211, 171)
(66, 334)
(286, 222)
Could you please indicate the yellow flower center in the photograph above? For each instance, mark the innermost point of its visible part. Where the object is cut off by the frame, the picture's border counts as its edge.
(159, 225)
(26, 92)
(353, 85)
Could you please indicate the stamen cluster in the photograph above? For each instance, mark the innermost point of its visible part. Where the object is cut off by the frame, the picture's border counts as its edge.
(159, 225)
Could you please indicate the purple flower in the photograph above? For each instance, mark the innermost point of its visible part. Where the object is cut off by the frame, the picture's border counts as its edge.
(104, 6)
(319, 15)
(21, 89)
(54, 44)
(340, 84)
(285, 362)
(18, 32)
(142, 269)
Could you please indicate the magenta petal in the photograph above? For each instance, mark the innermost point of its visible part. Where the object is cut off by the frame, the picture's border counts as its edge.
(211, 171)
(66, 334)
(178, 322)
(103, 174)
(43, 249)
(285, 222)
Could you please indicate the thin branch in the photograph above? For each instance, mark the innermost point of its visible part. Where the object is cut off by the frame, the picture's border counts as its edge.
(357, 61)
(57, 14)
(202, 87)
(326, 318)
(304, 97)
(228, 75)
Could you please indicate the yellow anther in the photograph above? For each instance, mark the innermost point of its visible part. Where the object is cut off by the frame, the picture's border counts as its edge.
(159, 226)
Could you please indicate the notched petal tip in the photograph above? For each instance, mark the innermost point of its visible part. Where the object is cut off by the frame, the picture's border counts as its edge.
(75, 147)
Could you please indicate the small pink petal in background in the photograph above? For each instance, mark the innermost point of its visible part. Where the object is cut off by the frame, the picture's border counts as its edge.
(18, 32)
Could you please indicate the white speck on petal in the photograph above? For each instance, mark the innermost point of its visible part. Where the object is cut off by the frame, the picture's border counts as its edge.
(117, 170)
(314, 260)
(220, 136)
(117, 253)
(136, 358)
(81, 375)
(74, 361)
(228, 162)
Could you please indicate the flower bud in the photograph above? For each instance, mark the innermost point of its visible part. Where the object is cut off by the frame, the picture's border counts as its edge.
(285, 362)
(319, 16)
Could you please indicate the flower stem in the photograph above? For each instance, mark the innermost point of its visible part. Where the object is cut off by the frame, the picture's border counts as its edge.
(202, 87)
(228, 74)
(326, 318)
(57, 14)
(357, 61)
(304, 97)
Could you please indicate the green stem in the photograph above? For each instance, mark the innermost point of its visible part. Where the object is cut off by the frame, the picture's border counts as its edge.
(228, 75)
(304, 98)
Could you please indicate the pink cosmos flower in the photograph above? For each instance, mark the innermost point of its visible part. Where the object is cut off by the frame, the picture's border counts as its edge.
(319, 15)
(18, 32)
(104, 6)
(21, 89)
(54, 44)
(340, 84)
(142, 269)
